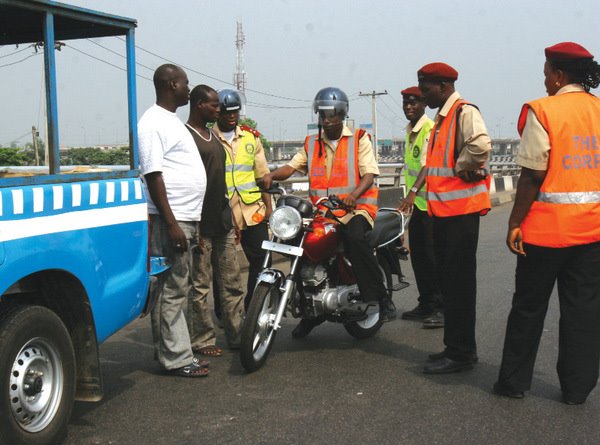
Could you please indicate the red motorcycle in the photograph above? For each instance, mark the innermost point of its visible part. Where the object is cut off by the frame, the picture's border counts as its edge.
(320, 281)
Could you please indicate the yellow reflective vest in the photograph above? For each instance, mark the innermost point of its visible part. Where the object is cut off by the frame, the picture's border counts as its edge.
(412, 159)
(239, 172)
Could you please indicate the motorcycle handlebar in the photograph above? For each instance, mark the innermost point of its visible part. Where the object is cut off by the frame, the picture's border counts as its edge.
(275, 189)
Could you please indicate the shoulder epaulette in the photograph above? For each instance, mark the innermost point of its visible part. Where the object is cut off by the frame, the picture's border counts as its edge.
(361, 132)
(254, 131)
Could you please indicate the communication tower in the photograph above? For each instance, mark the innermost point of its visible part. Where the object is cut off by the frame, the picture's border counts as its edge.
(239, 77)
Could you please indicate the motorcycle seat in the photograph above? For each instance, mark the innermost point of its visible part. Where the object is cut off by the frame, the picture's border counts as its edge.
(387, 228)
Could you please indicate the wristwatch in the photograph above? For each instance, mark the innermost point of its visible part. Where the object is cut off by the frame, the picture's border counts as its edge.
(414, 189)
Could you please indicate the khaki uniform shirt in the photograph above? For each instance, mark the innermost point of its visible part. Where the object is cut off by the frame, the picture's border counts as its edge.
(473, 143)
(243, 213)
(534, 151)
(366, 164)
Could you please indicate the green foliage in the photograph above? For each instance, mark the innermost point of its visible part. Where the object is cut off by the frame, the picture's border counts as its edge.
(12, 157)
(95, 156)
(265, 143)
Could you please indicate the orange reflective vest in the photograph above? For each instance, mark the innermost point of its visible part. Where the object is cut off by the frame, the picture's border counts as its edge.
(447, 194)
(344, 176)
(566, 211)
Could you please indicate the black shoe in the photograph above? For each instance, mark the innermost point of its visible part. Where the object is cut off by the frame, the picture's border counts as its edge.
(572, 400)
(434, 321)
(387, 310)
(503, 390)
(305, 326)
(446, 365)
(439, 355)
(418, 313)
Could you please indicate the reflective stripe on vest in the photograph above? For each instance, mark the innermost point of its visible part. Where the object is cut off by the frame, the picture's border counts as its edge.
(412, 156)
(569, 197)
(458, 194)
(566, 211)
(447, 194)
(239, 174)
(344, 176)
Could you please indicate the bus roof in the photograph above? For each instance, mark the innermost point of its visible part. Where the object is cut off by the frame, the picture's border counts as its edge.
(21, 21)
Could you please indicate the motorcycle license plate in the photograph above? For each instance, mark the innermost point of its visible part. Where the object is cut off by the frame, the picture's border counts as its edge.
(282, 248)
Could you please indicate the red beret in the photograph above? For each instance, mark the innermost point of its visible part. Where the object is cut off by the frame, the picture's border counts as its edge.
(567, 51)
(411, 91)
(436, 72)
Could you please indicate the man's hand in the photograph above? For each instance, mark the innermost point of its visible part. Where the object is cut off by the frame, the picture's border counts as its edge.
(268, 212)
(178, 238)
(472, 176)
(266, 181)
(514, 241)
(349, 202)
(237, 234)
(407, 204)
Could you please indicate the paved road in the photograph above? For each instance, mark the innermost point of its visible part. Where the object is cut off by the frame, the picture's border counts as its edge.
(332, 389)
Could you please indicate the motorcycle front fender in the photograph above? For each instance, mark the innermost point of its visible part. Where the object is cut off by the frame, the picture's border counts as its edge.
(271, 276)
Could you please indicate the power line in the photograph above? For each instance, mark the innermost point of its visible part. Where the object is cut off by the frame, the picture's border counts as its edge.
(215, 78)
(16, 52)
(396, 102)
(104, 61)
(261, 105)
(388, 107)
(19, 61)
(119, 54)
(20, 137)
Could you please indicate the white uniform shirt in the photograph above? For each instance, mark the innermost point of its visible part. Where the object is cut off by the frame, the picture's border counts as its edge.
(166, 146)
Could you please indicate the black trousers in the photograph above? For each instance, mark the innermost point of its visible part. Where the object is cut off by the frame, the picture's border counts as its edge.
(251, 241)
(455, 241)
(422, 258)
(576, 269)
(364, 264)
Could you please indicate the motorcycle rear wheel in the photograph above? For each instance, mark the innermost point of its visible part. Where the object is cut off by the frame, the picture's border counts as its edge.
(364, 329)
(258, 331)
(370, 326)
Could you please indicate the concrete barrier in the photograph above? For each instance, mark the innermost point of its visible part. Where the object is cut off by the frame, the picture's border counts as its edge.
(504, 184)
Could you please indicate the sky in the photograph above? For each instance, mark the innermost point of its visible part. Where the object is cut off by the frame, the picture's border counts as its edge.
(294, 48)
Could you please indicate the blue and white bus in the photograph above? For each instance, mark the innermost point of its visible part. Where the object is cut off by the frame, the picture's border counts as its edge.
(74, 264)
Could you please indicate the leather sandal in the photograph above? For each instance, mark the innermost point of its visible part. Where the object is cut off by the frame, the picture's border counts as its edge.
(209, 351)
(194, 369)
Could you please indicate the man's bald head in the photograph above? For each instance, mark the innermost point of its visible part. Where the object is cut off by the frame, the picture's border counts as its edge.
(165, 74)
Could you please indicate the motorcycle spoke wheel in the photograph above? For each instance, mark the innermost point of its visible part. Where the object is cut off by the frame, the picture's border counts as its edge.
(258, 331)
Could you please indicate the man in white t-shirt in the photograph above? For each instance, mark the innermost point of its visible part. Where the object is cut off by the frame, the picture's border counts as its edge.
(175, 183)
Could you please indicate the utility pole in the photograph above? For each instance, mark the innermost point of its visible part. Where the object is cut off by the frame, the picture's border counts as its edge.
(374, 95)
(35, 135)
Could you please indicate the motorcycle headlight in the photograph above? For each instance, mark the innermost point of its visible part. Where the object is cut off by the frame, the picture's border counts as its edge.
(285, 222)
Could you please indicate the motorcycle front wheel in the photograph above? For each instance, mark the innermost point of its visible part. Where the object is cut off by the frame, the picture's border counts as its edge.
(258, 331)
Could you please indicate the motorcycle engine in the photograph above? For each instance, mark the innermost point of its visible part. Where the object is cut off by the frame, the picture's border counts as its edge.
(313, 275)
(325, 299)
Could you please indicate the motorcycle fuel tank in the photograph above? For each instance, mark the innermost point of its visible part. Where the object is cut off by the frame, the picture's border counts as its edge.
(322, 241)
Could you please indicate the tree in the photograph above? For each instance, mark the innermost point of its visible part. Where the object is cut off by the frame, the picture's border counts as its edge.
(95, 156)
(12, 157)
(265, 143)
